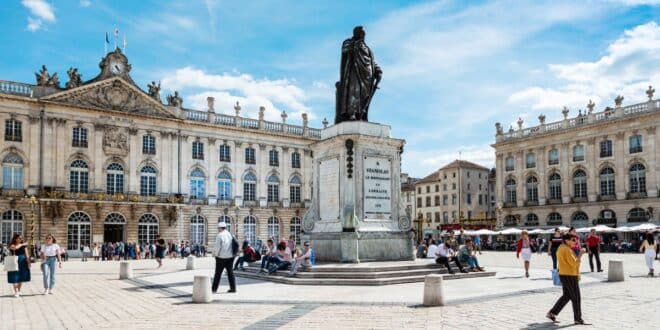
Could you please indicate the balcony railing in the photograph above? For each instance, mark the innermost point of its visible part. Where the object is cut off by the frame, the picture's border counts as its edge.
(636, 195)
(12, 192)
(602, 198)
(10, 87)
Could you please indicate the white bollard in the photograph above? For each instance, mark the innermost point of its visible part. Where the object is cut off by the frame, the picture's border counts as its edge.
(201, 289)
(615, 271)
(433, 295)
(125, 270)
(190, 263)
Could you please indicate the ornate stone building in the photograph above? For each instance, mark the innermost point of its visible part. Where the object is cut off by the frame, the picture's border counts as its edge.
(103, 160)
(594, 168)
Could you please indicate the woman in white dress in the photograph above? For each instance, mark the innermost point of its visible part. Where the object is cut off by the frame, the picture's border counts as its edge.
(648, 247)
(524, 248)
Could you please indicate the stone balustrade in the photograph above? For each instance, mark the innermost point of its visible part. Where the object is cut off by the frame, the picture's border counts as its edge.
(15, 88)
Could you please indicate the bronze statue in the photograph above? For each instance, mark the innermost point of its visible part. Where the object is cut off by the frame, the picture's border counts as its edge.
(359, 78)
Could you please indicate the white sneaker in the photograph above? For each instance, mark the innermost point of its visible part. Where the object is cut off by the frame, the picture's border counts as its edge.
(45, 292)
(50, 291)
(16, 295)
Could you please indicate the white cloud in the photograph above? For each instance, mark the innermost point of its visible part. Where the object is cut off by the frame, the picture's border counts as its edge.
(628, 68)
(43, 12)
(34, 24)
(423, 163)
(85, 3)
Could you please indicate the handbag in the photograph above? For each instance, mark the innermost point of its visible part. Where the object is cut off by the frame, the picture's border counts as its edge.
(555, 277)
(11, 263)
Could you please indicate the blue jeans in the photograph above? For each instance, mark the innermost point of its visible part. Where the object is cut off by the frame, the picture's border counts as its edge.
(278, 265)
(266, 260)
(472, 261)
(49, 272)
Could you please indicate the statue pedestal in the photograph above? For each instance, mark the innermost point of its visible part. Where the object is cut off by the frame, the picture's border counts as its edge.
(356, 212)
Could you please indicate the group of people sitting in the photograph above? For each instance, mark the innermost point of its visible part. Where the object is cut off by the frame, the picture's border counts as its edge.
(282, 256)
(458, 249)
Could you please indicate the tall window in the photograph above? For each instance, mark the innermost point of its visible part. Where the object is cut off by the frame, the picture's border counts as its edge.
(273, 158)
(226, 219)
(638, 215)
(469, 199)
(148, 145)
(79, 231)
(250, 156)
(580, 184)
(578, 153)
(296, 229)
(532, 189)
(510, 191)
(197, 150)
(12, 172)
(554, 218)
(249, 187)
(115, 179)
(197, 184)
(13, 130)
(635, 142)
(554, 185)
(197, 227)
(531, 160)
(606, 148)
(79, 137)
(510, 220)
(274, 228)
(250, 228)
(637, 178)
(509, 163)
(148, 181)
(273, 189)
(445, 199)
(553, 157)
(295, 187)
(445, 217)
(224, 186)
(295, 160)
(428, 201)
(607, 181)
(453, 199)
(532, 220)
(436, 200)
(78, 176)
(225, 153)
(147, 229)
(10, 224)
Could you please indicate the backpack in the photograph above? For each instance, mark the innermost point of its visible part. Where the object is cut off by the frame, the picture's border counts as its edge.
(234, 245)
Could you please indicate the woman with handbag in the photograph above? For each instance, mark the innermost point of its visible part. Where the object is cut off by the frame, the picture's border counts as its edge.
(569, 275)
(49, 254)
(524, 248)
(20, 267)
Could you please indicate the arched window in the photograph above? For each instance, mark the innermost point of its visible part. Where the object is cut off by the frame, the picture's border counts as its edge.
(554, 186)
(532, 220)
(273, 158)
(250, 228)
(510, 196)
(197, 230)
(148, 181)
(273, 189)
(554, 218)
(115, 218)
(531, 160)
(274, 228)
(607, 182)
(197, 184)
(510, 221)
(295, 189)
(532, 189)
(12, 172)
(638, 215)
(79, 176)
(579, 218)
(296, 229)
(115, 179)
(79, 231)
(226, 219)
(637, 178)
(147, 229)
(578, 153)
(10, 224)
(295, 160)
(224, 186)
(553, 157)
(249, 187)
(580, 184)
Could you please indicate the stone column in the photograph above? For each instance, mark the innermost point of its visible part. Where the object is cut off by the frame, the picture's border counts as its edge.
(132, 170)
(96, 176)
(238, 167)
(519, 170)
(285, 173)
(212, 161)
(650, 149)
(499, 183)
(541, 165)
(621, 169)
(591, 154)
(262, 165)
(564, 171)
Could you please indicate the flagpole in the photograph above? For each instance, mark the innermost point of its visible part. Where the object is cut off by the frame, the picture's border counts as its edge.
(105, 44)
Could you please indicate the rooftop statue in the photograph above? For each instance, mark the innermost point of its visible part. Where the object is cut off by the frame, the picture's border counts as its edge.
(154, 90)
(45, 79)
(74, 78)
(175, 100)
(359, 78)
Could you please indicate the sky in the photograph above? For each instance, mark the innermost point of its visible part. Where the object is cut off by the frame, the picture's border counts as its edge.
(451, 69)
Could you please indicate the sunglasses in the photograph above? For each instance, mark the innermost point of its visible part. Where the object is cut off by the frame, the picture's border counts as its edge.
(572, 240)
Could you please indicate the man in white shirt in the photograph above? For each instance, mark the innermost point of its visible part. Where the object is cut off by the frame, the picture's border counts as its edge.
(432, 249)
(224, 258)
(446, 254)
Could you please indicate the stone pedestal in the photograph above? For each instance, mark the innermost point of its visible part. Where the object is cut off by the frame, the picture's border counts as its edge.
(615, 271)
(125, 270)
(201, 289)
(356, 212)
(433, 293)
(190, 263)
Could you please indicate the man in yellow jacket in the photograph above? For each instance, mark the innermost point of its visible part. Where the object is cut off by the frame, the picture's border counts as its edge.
(569, 272)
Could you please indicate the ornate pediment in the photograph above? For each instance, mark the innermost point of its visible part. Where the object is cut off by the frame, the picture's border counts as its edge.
(113, 94)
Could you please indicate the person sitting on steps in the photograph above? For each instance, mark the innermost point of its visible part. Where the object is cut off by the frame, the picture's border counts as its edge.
(282, 260)
(248, 256)
(445, 254)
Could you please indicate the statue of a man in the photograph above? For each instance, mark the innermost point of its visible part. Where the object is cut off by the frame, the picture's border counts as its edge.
(359, 78)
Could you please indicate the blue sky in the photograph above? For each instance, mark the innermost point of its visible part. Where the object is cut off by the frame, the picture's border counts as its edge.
(451, 68)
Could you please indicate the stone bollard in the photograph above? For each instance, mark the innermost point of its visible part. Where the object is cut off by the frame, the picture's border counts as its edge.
(433, 295)
(201, 289)
(190, 263)
(125, 270)
(615, 271)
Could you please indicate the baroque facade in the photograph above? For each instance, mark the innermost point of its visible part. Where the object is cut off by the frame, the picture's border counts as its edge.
(594, 168)
(103, 160)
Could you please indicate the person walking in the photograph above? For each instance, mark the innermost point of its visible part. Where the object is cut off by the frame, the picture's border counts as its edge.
(593, 248)
(22, 275)
(569, 271)
(524, 248)
(160, 250)
(553, 245)
(224, 258)
(49, 255)
(649, 249)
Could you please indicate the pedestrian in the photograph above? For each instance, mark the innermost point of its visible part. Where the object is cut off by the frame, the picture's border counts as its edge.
(554, 244)
(421, 250)
(304, 260)
(593, 248)
(224, 258)
(291, 245)
(569, 272)
(17, 278)
(160, 250)
(270, 255)
(477, 243)
(524, 248)
(577, 247)
(95, 252)
(649, 248)
(445, 254)
(49, 256)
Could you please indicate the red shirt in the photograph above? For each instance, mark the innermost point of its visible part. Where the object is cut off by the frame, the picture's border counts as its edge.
(593, 240)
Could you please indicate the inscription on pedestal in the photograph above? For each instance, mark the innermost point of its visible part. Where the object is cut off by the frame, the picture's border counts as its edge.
(377, 188)
(329, 189)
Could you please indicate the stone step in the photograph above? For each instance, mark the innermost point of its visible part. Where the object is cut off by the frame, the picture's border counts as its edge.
(307, 273)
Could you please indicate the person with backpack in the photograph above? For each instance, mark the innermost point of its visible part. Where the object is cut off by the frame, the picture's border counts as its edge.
(249, 255)
(224, 251)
